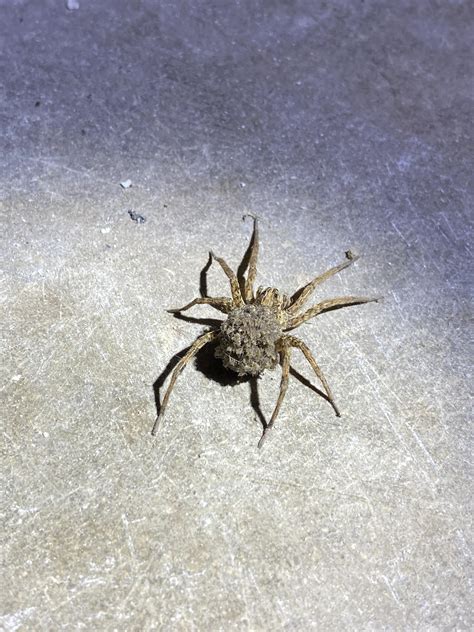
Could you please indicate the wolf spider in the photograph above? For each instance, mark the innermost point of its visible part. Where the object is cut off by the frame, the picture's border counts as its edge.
(253, 337)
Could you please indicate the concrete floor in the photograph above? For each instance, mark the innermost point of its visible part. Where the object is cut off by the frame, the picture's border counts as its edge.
(343, 124)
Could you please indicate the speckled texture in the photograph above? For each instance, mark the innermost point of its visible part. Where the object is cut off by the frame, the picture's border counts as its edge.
(343, 124)
(247, 340)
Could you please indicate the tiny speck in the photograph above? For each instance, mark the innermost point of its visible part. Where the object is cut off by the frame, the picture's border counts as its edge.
(104, 231)
(72, 5)
(37, 104)
(136, 217)
(126, 184)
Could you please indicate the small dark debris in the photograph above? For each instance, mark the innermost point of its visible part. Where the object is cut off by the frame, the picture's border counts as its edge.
(83, 132)
(136, 217)
(37, 104)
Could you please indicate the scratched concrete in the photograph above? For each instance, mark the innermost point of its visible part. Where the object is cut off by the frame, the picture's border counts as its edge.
(344, 125)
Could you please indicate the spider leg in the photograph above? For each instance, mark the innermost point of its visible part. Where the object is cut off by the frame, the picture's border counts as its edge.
(223, 304)
(285, 372)
(299, 344)
(234, 283)
(324, 306)
(252, 273)
(300, 297)
(197, 344)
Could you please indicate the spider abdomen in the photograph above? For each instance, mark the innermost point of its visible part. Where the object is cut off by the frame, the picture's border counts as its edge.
(247, 340)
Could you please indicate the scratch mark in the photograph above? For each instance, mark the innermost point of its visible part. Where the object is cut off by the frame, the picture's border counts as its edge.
(129, 540)
(422, 446)
(391, 589)
(405, 241)
(398, 306)
(15, 620)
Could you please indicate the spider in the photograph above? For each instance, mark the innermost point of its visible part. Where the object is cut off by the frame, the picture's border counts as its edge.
(254, 335)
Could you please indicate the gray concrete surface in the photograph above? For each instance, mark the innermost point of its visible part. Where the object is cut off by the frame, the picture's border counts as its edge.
(344, 124)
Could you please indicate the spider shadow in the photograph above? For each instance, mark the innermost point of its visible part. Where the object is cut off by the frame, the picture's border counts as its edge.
(304, 380)
(212, 367)
(203, 290)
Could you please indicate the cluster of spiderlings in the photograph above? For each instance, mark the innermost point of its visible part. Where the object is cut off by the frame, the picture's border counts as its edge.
(247, 340)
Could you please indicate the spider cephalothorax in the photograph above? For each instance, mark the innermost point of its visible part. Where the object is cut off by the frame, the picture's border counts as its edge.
(253, 337)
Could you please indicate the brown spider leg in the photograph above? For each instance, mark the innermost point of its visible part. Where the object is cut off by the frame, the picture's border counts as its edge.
(223, 304)
(252, 273)
(234, 283)
(285, 372)
(300, 297)
(332, 303)
(197, 344)
(299, 344)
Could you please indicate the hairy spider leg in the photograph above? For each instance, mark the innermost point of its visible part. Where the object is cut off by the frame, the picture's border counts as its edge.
(197, 344)
(223, 304)
(234, 283)
(332, 303)
(299, 344)
(285, 354)
(252, 273)
(300, 297)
